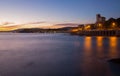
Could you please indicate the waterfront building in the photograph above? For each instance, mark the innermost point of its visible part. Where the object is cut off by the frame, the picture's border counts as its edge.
(81, 27)
(100, 20)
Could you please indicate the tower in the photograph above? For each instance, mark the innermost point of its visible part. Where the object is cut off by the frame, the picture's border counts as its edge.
(100, 19)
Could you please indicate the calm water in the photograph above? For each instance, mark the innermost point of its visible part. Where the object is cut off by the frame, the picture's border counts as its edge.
(56, 55)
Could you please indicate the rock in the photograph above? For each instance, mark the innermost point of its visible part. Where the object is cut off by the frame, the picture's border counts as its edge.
(116, 61)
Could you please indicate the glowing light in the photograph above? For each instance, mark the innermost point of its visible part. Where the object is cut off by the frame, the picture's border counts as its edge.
(99, 41)
(87, 27)
(100, 45)
(74, 30)
(87, 43)
(113, 46)
(113, 24)
(113, 41)
(100, 25)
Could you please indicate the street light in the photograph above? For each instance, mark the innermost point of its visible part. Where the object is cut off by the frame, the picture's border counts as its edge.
(114, 25)
(100, 25)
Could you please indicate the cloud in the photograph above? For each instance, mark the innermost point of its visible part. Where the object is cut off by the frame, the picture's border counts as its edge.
(7, 23)
(34, 24)
(37, 22)
(68, 24)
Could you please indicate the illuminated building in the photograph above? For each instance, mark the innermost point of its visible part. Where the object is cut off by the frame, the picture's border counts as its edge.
(100, 20)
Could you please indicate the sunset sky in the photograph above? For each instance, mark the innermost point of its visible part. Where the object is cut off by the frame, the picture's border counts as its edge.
(51, 12)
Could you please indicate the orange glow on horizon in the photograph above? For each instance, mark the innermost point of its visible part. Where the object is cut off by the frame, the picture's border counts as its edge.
(15, 27)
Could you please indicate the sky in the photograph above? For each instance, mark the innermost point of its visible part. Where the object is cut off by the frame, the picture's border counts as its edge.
(56, 11)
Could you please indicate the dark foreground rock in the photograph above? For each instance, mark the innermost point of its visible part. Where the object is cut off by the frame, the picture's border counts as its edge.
(115, 61)
(115, 66)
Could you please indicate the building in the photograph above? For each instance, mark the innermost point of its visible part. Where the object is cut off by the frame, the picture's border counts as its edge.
(100, 19)
(81, 27)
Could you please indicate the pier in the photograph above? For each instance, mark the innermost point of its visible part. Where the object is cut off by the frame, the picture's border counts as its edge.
(100, 33)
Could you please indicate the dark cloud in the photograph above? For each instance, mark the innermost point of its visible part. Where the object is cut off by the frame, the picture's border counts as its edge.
(37, 22)
(68, 24)
(33, 23)
(7, 23)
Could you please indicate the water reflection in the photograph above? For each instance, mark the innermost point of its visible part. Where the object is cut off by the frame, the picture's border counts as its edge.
(113, 47)
(56, 55)
(77, 44)
(99, 43)
(86, 66)
(94, 51)
(87, 43)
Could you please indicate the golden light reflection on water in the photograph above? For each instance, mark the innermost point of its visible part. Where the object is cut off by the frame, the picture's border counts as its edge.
(87, 43)
(99, 43)
(94, 50)
(87, 54)
(113, 41)
(100, 48)
(113, 46)
(87, 48)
